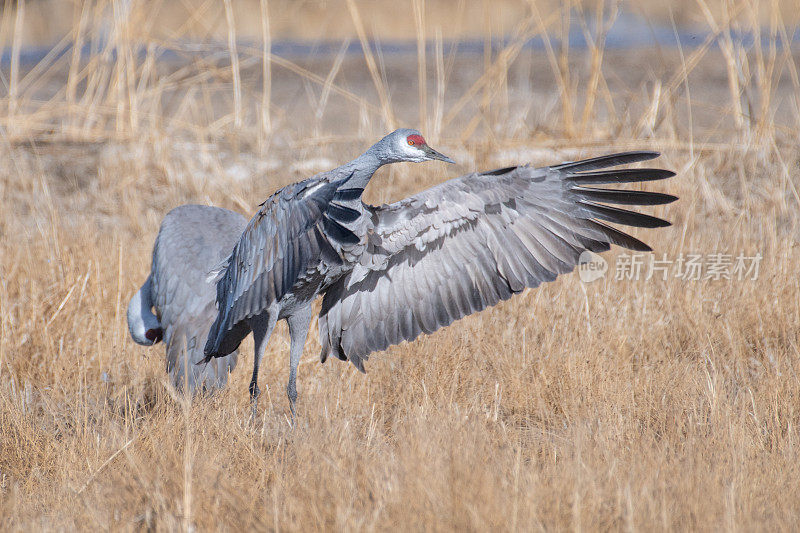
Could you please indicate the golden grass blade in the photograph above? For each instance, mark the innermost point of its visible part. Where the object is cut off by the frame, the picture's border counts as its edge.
(15, 51)
(497, 68)
(102, 467)
(266, 72)
(441, 83)
(380, 87)
(237, 84)
(422, 71)
(329, 79)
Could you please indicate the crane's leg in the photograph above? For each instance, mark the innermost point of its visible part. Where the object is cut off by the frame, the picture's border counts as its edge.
(262, 327)
(298, 331)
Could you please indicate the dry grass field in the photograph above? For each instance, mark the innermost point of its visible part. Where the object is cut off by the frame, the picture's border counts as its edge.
(635, 404)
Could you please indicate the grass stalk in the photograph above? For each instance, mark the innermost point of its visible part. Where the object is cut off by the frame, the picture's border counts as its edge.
(380, 87)
(235, 73)
(266, 68)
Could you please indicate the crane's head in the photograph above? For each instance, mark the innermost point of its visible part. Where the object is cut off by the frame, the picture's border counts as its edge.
(143, 325)
(408, 145)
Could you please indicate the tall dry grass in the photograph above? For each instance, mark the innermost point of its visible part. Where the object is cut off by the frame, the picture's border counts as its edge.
(650, 404)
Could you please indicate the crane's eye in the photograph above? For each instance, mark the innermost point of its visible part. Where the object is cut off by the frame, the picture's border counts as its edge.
(415, 140)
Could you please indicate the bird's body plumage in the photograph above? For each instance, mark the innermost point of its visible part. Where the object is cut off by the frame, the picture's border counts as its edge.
(295, 245)
(391, 272)
(192, 239)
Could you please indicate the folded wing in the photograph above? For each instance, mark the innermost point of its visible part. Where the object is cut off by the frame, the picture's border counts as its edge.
(292, 231)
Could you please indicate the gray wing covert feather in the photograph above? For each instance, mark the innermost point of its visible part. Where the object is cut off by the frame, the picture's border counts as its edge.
(473, 241)
(191, 241)
(278, 246)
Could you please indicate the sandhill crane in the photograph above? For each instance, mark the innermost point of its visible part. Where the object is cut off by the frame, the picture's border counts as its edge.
(191, 241)
(388, 273)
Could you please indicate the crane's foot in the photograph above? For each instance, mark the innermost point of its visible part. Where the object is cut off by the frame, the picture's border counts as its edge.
(255, 392)
(291, 392)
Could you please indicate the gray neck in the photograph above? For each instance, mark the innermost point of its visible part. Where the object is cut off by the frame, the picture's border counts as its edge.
(362, 168)
(140, 314)
(365, 165)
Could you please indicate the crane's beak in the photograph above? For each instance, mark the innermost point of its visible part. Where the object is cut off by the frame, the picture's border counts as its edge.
(154, 335)
(430, 153)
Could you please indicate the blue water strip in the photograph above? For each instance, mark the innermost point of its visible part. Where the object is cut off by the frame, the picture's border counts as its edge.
(622, 36)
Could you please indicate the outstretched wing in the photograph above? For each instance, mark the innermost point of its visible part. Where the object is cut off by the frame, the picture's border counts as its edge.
(473, 241)
(292, 231)
(191, 240)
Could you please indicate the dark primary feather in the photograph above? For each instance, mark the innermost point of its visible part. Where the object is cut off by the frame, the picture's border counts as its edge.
(623, 216)
(626, 175)
(604, 161)
(473, 241)
(622, 197)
